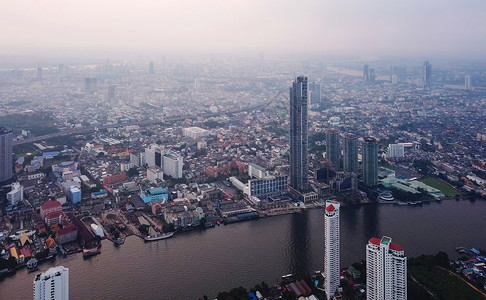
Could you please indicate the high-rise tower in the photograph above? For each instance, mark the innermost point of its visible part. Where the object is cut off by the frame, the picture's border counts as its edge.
(350, 153)
(386, 270)
(333, 150)
(331, 251)
(6, 149)
(299, 179)
(467, 82)
(427, 74)
(52, 284)
(366, 74)
(370, 161)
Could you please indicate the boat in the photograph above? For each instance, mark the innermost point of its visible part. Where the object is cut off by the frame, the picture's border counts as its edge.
(119, 241)
(401, 203)
(460, 248)
(415, 203)
(32, 264)
(91, 251)
(157, 237)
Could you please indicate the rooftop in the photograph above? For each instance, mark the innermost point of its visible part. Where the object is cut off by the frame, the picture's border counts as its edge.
(374, 241)
(395, 247)
(157, 191)
(51, 204)
(385, 240)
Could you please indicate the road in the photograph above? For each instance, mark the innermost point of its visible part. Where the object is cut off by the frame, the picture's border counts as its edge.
(139, 123)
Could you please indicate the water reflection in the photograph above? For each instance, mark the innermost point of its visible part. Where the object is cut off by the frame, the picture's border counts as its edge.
(299, 244)
(371, 220)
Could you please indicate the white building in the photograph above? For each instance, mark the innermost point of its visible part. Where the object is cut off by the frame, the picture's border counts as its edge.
(194, 132)
(331, 274)
(52, 284)
(396, 151)
(154, 173)
(386, 270)
(173, 165)
(153, 155)
(16, 195)
(255, 171)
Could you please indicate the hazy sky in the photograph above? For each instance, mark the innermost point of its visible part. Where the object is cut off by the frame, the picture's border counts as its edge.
(361, 27)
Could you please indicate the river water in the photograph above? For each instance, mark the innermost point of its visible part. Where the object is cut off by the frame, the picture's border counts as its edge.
(204, 262)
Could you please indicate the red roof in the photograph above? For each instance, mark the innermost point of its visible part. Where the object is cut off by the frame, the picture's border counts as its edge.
(330, 208)
(51, 204)
(395, 247)
(66, 229)
(54, 215)
(375, 241)
(26, 252)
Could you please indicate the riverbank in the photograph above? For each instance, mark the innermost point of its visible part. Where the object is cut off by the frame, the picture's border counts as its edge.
(249, 252)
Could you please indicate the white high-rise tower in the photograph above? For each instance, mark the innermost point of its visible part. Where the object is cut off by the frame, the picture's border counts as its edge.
(52, 284)
(386, 270)
(331, 252)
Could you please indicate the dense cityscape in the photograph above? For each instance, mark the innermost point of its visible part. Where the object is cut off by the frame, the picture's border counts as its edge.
(243, 150)
(117, 150)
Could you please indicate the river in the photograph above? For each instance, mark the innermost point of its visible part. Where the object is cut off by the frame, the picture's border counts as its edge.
(204, 262)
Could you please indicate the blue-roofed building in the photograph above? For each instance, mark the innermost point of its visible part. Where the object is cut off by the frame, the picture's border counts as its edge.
(154, 194)
(50, 155)
(74, 194)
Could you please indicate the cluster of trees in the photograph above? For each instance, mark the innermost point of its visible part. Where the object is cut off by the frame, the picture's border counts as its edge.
(441, 259)
(240, 293)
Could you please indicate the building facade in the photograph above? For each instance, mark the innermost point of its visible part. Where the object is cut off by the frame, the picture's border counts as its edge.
(386, 270)
(299, 178)
(370, 161)
(74, 194)
(350, 153)
(195, 132)
(333, 150)
(154, 194)
(6, 150)
(172, 165)
(16, 195)
(271, 185)
(53, 284)
(332, 275)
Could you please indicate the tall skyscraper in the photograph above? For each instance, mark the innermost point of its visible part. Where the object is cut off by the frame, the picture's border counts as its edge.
(370, 161)
(299, 169)
(427, 74)
(331, 251)
(53, 284)
(316, 92)
(333, 149)
(372, 75)
(350, 151)
(6, 149)
(467, 82)
(151, 67)
(386, 270)
(366, 74)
